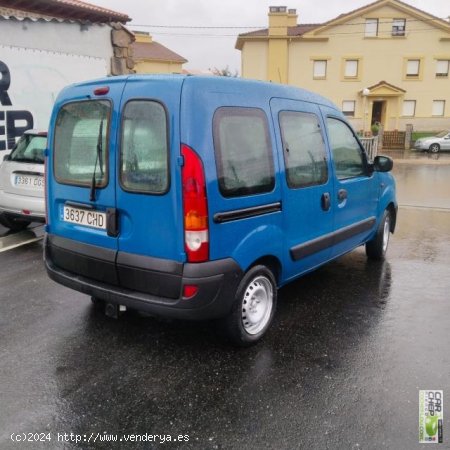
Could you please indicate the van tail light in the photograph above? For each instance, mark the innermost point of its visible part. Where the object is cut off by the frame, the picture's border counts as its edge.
(196, 233)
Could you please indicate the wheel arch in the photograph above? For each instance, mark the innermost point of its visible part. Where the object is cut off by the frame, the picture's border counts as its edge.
(272, 263)
(393, 212)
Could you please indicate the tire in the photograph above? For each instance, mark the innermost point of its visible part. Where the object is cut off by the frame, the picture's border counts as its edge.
(12, 223)
(434, 148)
(377, 247)
(253, 308)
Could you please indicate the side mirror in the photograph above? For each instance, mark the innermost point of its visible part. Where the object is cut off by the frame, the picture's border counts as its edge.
(6, 158)
(383, 164)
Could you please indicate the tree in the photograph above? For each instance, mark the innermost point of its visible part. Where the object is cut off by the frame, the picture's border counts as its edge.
(226, 72)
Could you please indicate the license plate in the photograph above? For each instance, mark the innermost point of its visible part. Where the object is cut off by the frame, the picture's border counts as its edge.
(85, 217)
(32, 181)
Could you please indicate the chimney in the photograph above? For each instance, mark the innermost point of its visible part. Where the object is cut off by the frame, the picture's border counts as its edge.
(278, 20)
(292, 17)
(143, 37)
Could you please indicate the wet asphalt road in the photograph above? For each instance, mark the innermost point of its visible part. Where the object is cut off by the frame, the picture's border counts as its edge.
(350, 348)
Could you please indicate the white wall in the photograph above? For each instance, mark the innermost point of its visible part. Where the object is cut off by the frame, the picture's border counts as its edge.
(42, 57)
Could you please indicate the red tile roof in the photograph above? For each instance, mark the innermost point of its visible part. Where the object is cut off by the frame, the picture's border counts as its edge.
(67, 9)
(155, 51)
(298, 30)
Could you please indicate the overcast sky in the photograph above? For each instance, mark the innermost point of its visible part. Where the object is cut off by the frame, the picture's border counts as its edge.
(209, 48)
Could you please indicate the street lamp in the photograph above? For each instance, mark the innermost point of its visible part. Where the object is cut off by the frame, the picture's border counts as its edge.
(365, 93)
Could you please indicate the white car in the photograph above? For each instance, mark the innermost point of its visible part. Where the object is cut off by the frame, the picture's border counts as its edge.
(434, 143)
(22, 182)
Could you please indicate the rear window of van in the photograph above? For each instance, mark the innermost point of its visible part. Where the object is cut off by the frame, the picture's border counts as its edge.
(144, 155)
(243, 151)
(81, 143)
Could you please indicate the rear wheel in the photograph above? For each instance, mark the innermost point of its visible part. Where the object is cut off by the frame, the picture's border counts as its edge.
(377, 247)
(12, 223)
(253, 309)
(434, 148)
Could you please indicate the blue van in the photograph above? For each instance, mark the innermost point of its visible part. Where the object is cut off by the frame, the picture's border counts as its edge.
(197, 197)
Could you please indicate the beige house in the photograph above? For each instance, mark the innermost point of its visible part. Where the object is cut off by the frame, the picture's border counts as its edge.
(151, 57)
(386, 62)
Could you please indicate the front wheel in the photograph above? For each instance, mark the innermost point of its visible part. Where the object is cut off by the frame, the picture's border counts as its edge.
(377, 247)
(434, 148)
(253, 309)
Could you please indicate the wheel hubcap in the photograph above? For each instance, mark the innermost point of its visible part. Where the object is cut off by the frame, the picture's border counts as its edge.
(257, 305)
(434, 148)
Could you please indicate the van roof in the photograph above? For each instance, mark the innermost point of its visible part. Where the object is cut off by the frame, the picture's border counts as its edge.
(224, 84)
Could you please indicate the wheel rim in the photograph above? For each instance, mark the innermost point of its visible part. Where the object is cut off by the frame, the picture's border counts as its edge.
(434, 148)
(257, 305)
(386, 231)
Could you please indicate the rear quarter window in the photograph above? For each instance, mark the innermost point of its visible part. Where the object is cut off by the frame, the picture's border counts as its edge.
(243, 151)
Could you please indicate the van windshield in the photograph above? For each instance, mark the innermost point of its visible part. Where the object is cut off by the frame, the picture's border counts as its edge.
(30, 148)
(81, 129)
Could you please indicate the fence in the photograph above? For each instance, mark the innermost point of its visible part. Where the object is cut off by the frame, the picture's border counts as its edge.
(394, 139)
(371, 146)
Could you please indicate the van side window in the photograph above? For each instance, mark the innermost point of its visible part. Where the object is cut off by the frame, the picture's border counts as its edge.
(144, 149)
(305, 156)
(347, 153)
(81, 143)
(243, 151)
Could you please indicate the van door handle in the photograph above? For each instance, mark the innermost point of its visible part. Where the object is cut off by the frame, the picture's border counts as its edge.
(112, 222)
(342, 195)
(325, 201)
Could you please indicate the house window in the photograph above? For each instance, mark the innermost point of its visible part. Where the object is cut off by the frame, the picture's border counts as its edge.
(412, 68)
(438, 107)
(398, 27)
(409, 108)
(351, 68)
(371, 28)
(348, 108)
(320, 69)
(442, 68)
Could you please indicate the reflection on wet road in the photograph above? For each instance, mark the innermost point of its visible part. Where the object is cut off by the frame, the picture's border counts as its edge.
(424, 186)
(351, 346)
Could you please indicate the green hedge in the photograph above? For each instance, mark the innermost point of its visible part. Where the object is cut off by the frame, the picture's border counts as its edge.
(421, 134)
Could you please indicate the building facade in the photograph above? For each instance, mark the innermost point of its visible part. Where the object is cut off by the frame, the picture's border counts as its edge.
(386, 62)
(46, 45)
(152, 57)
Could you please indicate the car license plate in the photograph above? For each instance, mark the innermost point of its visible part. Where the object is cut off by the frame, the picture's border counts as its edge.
(85, 217)
(31, 181)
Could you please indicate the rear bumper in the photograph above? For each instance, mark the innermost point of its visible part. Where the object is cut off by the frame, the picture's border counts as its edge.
(15, 204)
(217, 282)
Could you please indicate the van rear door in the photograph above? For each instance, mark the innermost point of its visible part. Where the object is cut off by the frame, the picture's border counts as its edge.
(82, 187)
(148, 193)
